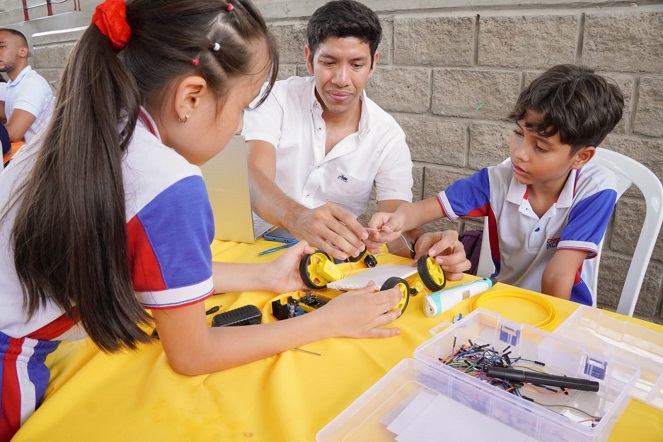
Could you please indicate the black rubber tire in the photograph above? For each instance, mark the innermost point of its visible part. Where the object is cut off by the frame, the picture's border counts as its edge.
(426, 277)
(358, 257)
(404, 288)
(304, 273)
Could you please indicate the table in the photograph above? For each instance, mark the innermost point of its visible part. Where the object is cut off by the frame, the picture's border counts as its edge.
(287, 397)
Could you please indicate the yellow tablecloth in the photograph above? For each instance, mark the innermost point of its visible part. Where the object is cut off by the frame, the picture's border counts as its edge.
(135, 396)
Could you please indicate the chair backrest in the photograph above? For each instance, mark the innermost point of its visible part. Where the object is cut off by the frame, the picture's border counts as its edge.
(486, 267)
(628, 172)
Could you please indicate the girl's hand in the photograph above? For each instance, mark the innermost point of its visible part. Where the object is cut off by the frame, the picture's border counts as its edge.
(283, 273)
(361, 313)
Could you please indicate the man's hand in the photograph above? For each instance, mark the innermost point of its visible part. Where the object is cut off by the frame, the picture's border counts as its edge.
(330, 229)
(447, 250)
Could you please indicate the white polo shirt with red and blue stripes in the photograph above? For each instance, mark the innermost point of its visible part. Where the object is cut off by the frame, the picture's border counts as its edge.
(521, 243)
(169, 231)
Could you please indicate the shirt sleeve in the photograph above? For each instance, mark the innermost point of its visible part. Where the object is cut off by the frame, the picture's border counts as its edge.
(169, 246)
(265, 121)
(30, 97)
(588, 220)
(394, 177)
(467, 197)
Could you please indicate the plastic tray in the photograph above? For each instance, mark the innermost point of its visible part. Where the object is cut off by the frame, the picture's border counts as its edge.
(623, 340)
(507, 416)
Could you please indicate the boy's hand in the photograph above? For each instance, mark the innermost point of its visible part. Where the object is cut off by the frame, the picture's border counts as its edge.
(448, 251)
(385, 227)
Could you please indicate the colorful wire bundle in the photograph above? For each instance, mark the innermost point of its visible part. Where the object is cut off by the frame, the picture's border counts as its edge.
(474, 359)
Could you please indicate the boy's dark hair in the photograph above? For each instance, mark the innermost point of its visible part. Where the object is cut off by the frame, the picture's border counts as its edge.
(69, 238)
(574, 101)
(344, 18)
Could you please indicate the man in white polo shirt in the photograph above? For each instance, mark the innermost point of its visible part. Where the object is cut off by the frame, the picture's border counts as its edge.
(28, 96)
(318, 144)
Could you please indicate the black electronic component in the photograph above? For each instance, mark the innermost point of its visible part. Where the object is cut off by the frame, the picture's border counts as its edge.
(310, 300)
(279, 311)
(245, 315)
(297, 306)
(370, 261)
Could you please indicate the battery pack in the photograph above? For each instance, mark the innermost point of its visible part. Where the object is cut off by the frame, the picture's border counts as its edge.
(245, 315)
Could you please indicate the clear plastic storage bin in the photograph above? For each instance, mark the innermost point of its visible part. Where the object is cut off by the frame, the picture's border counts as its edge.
(424, 399)
(629, 342)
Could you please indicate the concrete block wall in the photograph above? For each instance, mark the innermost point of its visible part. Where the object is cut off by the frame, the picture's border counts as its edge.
(450, 70)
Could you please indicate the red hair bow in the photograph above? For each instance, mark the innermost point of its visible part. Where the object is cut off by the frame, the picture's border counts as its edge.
(111, 19)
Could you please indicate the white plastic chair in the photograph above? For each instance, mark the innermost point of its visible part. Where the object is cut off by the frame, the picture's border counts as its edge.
(628, 171)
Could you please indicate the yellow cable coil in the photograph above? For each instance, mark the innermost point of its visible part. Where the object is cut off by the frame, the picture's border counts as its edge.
(547, 308)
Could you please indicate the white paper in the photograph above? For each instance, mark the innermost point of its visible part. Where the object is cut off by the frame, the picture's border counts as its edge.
(405, 417)
(378, 274)
(431, 417)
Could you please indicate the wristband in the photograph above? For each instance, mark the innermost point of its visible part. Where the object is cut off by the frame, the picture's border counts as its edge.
(412, 245)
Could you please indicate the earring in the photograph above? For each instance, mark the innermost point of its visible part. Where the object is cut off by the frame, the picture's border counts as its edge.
(186, 118)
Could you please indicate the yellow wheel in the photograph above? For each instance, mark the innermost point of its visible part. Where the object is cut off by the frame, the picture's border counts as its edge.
(403, 286)
(317, 269)
(431, 273)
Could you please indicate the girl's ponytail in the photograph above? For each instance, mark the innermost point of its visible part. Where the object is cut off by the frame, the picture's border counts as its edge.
(69, 238)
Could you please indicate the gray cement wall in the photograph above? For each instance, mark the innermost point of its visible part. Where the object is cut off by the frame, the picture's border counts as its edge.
(66, 16)
(450, 70)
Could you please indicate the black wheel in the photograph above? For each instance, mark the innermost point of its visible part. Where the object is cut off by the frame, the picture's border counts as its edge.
(311, 269)
(358, 257)
(431, 274)
(403, 286)
(365, 256)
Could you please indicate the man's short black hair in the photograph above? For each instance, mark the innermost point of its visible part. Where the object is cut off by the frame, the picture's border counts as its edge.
(344, 18)
(18, 34)
(574, 101)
